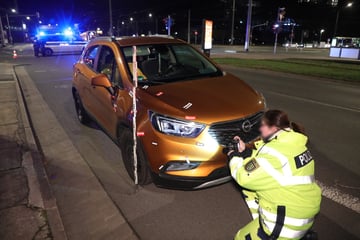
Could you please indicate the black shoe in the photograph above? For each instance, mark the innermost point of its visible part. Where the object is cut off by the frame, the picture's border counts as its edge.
(310, 235)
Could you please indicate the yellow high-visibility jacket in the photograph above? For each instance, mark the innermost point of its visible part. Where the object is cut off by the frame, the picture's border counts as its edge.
(280, 172)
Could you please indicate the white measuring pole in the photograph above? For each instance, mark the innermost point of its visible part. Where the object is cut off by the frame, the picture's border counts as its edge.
(135, 80)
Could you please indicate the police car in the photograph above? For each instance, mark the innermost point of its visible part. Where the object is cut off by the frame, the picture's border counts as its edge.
(59, 44)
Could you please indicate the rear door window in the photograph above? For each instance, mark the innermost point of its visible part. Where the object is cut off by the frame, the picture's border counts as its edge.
(90, 57)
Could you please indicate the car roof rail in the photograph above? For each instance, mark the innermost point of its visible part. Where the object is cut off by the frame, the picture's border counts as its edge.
(151, 35)
(103, 38)
(161, 35)
(113, 38)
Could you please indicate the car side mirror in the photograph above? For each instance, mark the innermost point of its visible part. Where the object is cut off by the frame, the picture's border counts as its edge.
(102, 80)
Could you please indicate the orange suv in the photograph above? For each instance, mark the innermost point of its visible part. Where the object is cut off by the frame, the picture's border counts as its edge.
(188, 108)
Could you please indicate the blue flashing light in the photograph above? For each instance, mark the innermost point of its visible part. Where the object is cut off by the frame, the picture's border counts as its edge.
(41, 33)
(68, 32)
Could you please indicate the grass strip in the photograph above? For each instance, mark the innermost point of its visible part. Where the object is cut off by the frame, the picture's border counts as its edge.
(334, 69)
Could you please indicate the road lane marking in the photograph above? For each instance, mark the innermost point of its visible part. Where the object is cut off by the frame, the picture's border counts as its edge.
(316, 102)
(230, 51)
(340, 197)
(62, 86)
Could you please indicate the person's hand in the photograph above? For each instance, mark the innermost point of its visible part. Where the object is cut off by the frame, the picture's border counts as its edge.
(241, 144)
(229, 153)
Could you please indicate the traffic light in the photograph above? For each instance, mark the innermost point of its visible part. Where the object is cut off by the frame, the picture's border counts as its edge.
(168, 22)
(281, 14)
(277, 26)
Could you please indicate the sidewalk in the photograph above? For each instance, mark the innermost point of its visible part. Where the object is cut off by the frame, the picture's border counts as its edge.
(24, 214)
(72, 203)
(86, 209)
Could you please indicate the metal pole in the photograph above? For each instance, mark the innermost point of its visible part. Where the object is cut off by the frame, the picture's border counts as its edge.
(156, 25)
(8, 23)
(169, 25)
(110, 18)
(277, 29)
(2, 33)
(248, 27)
(336, 21)
(292, 35)
(135, 79)
(275, 44)
(189, 20)
(233, 23)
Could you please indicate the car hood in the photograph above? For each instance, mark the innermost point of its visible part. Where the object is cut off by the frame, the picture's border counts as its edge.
(208, 100)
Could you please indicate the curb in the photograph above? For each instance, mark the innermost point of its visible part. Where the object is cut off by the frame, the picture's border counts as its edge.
(35, 171)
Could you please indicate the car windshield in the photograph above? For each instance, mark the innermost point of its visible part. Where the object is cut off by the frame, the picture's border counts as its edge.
(163, 63)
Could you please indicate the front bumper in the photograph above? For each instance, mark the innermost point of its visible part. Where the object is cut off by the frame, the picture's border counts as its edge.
(217, 177)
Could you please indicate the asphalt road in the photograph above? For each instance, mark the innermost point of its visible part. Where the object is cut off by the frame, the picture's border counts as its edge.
(330, 112)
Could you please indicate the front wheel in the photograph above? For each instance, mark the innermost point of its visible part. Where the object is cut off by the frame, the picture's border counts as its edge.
(81, 113)
(143, 170)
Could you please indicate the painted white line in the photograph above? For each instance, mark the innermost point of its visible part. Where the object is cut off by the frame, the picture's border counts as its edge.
(340, 197)
(230, 51)
(316, 102)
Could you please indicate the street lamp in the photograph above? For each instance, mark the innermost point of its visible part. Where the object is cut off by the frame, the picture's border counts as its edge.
(232, 23)
(9, 28)
(248, 27)
(12, 10)
(348, 5)
(321, 32)
(110, 19)
(151, 23)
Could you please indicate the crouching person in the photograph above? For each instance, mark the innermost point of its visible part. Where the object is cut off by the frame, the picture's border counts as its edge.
(278, 182)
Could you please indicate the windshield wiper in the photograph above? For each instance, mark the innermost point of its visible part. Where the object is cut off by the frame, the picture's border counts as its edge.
(149, 82)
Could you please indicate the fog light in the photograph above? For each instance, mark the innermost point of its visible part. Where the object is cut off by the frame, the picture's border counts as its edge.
(181, 165)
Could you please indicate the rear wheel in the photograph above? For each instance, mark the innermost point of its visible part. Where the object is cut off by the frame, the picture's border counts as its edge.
(81, 113)
(143, 170)
(47, 52)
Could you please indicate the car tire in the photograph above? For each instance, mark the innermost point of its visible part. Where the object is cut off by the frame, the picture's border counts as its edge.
(47, 52)
(126, 145)
(81, 113)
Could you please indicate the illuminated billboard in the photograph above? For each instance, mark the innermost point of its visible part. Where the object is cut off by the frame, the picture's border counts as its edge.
(207, 34)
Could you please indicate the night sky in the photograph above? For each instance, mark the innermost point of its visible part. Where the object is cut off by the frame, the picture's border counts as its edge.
(94, 13)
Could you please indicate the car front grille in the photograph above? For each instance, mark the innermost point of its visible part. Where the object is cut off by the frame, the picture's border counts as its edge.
(246, 128)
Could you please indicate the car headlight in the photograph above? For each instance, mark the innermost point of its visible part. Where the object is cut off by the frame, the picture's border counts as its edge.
(175, 127)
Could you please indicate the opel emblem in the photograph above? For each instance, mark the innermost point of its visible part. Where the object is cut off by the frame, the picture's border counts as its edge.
(246, 126)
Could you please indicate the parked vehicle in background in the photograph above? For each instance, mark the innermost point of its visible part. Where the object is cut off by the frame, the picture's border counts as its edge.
(51, 44)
